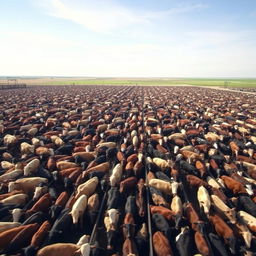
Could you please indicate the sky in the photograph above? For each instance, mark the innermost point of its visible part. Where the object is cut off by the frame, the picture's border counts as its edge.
(128, 38)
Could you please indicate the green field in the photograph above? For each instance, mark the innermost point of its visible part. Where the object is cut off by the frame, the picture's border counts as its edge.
(199, 82)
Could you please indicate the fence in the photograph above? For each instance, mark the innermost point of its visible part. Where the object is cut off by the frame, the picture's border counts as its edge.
(5, 86)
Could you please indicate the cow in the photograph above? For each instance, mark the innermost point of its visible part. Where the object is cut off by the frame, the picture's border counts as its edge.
(184, 242)
(176, 207)
(195, 181)
(39, 191)
(18, 199)
(204, 199)
(129, 248)
(245, 203)
(22, 238)
(223, 230)
(87, 188)
(130, 205)
(116, 175)
(167, 213)
(161, 244)
(11, 175)
(60, 228)
(8, 225)
(201, 244)
(217, 245)
(128, 226)
(141, 240)
(64, 249)
(192, 216)
(140, 198)
(110, 220)
(31, 167)
(78, 209)
(27, 185)
(128, 184)
(162, 225)
(233, 185)
(163, 164)
(248, 219)
(42, 204)
(161, 185)
(157, 197)
(223, 209)
(113, 200)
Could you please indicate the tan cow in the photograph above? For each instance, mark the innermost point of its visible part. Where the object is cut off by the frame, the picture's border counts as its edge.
(223, 209)
(204, 199)
(8, 225)
(64, 249)
(78, 208)
(248, 219)
(19, 199)
(27, 185)
(163, 164)
(87, 188)
(161, 185)
(116, 175)
(31, 167)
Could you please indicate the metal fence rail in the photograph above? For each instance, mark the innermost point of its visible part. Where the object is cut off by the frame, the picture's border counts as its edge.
(6, 86)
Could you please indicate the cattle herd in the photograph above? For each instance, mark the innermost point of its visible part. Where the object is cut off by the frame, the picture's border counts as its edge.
(108, 170)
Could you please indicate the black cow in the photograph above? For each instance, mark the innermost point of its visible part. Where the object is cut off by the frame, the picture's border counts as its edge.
(184, 243)
(130, 206)
(113, 198)
(38, 217)
(245, 203)
(162, 176)
(162, 225)
(217, 245)
(184, 165)
(64, 150)
(61, 228)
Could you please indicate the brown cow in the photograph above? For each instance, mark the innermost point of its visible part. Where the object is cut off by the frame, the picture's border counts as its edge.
(192, 216)
(62, 199)
(23, 237)
(223, 230)
(62, 249)
(233, 185)
(42, 204)
(195, 181)
(129, 248)
(40, 235)
(167, 213)
(128, 184)
(161, 244)
(129, 226)
(201, 244)
(140, 199)
(200, 166)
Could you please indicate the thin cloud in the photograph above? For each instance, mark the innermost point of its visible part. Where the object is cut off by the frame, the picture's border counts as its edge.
(97, 16)
(180, 9)
(107, 16)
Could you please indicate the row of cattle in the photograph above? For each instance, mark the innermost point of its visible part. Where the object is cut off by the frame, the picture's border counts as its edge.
(127, 171)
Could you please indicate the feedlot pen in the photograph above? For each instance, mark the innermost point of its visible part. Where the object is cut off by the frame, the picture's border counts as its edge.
(131, 170)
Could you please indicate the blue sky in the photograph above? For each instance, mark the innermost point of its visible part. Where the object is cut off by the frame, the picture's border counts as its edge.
(165, 38)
